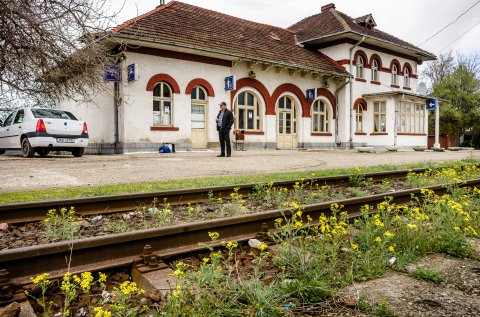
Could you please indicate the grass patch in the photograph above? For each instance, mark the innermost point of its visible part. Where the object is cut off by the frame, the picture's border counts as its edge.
(380, 309)
(422, 273)
(142, 187)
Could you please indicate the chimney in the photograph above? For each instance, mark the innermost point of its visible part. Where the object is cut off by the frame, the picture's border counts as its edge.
(328, 7)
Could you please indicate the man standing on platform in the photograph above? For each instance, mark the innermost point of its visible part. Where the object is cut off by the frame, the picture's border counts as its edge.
(224, 124)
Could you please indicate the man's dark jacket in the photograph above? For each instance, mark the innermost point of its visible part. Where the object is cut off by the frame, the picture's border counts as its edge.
(227, 121)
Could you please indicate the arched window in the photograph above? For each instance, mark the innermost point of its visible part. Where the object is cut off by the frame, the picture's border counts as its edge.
(359, 116)
(162, 104)
(247, 111)
(320, 116)
(375, 70)
(406, 78)
(199, 105)
(360, 66)
(395, 74)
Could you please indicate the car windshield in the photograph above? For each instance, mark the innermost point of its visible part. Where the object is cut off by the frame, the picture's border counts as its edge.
(53, 114)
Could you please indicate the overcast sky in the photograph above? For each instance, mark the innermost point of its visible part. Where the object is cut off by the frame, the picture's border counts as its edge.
(411, 20)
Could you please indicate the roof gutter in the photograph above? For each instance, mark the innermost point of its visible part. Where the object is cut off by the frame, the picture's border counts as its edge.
(172, 43)
(419, 52)
(352, 111)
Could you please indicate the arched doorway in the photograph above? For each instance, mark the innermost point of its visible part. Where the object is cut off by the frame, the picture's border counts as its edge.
(199, 113)
(287, 123)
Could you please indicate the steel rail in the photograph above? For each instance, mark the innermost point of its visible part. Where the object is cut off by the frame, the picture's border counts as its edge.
(101, 253)
(34, 211)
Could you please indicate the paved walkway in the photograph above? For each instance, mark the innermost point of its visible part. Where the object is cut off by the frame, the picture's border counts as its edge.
(19, 174)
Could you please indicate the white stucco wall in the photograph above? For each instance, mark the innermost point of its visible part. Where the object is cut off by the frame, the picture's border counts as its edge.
(98, 114)
(341, 52)
(136, 113)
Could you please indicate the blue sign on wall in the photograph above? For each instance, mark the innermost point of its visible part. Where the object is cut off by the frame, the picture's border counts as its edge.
(310, 94)
(432, 104)
(111, 72)
(230, 83)
(132, 71)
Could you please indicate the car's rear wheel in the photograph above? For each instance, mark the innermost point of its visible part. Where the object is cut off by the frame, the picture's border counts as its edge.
(43, 152)
(27, 149)
(2, 152)
(78, 152)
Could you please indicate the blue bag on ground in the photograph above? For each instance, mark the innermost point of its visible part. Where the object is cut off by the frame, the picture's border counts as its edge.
(164, 149)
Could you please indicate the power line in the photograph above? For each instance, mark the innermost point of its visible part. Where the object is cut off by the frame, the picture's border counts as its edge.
(455, 20)
(471, 28)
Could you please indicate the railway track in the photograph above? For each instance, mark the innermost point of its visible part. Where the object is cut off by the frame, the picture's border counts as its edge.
(34, 211)
(101, 253)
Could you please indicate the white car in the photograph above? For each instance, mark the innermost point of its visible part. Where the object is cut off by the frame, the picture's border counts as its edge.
(43, 130)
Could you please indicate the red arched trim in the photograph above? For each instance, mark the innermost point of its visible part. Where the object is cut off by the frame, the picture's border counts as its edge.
(297, 92)
(396, 62)
(166, 78)
(361, 101)
(249, 82)
(364, 55)
(409, 67)
(327, 94)
(378, 59)
(200, 82)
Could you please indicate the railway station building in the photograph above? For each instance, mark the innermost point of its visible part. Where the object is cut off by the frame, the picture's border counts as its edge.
(328, 81)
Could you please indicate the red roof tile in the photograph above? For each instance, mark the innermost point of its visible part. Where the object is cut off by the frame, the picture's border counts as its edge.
(191, 26)
(332, 22)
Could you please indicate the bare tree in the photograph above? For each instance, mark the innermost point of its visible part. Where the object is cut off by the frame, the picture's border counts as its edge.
(48, 50)
(438, 69)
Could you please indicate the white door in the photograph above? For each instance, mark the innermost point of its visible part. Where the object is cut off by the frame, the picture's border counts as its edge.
(286, 123)
(198, 117)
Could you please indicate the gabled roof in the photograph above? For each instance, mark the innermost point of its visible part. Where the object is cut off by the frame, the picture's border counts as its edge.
(188, 26)
(332, 23)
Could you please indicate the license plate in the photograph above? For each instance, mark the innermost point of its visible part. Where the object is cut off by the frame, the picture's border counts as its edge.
(65, 140)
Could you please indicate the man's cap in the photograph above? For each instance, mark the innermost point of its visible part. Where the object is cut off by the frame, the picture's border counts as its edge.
(223, 103)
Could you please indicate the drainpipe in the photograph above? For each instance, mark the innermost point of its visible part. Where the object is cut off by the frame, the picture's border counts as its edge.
(117, 100)
(352, 111)
(337, 91)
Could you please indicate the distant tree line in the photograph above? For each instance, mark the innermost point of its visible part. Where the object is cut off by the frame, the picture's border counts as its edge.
(456, 80)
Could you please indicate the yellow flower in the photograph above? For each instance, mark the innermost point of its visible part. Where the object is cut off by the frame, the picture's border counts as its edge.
(40, 279)
(102, 277)
(391, 248)
(412, 226)
(262, 246)
(354, 246)
(232, 245)
(99, 312)
(388, 234)
(378, 239)
(457, 229)
(214, 235)
(205, 260)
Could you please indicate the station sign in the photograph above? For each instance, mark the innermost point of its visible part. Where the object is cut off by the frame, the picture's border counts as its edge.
(230, 83)
(310, 94)
(111, 72)
(132, 71)
(432, 104)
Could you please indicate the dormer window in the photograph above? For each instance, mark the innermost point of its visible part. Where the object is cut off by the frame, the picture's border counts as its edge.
(375, 70)
(406, 78)
(360, 65)
(366, 21)
(395, 74)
